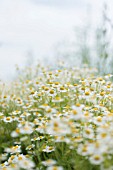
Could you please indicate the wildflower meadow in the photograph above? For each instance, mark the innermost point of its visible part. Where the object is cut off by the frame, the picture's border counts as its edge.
(57, 119)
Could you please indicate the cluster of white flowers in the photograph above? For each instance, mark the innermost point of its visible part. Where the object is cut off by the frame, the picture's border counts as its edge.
(69, 106)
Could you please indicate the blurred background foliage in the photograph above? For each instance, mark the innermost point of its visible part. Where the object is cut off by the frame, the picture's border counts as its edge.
(92, 46)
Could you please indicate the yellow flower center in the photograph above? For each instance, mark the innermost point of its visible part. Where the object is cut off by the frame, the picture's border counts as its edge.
(97, 157)
(87, 131)
(87, 93)
(8, 118)
(51, 92)
(84, 149)
(62, 88)
(103, 135)
(74, 112)
(99, 119)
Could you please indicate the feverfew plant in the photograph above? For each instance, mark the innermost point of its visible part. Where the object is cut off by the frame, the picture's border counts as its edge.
(58, 119)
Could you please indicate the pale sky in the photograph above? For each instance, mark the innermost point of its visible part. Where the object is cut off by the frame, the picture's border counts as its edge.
(37, 25)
